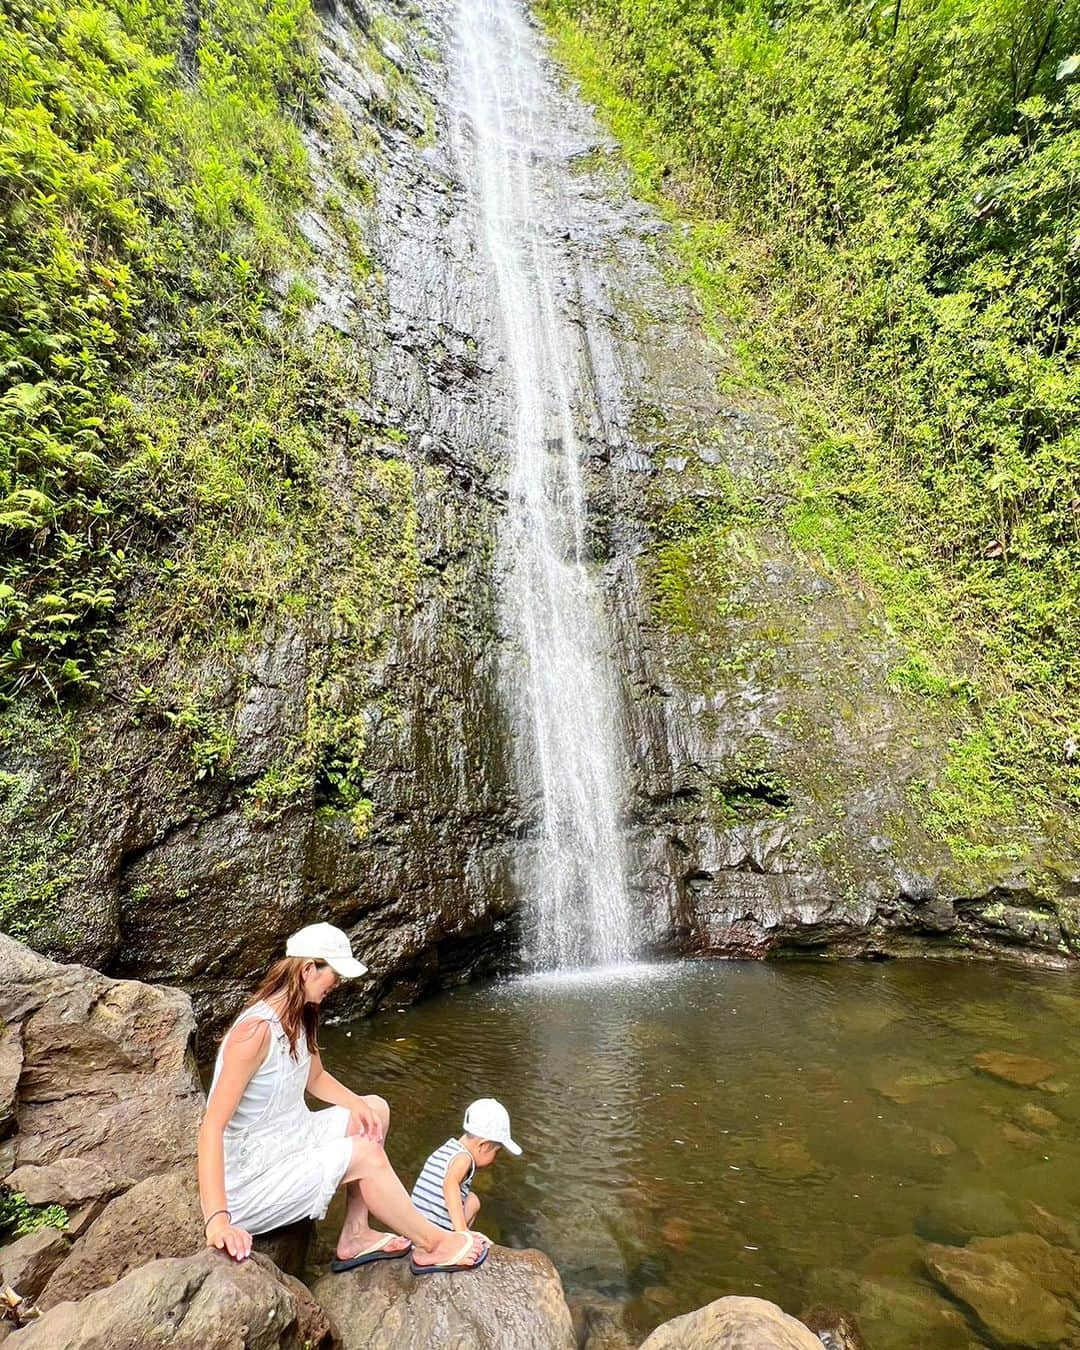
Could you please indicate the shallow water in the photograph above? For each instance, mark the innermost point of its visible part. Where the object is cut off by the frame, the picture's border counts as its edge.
(794, 1131)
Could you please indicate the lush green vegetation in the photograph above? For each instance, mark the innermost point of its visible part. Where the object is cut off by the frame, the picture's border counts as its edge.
(185, 455)
(146, 168)
(878, 208)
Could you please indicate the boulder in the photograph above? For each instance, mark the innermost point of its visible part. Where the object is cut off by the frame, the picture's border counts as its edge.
(1014, 1309)
(117, 1047)
(27, 1263)
(158, 1217)
(733, 1324)
(68, 1181)
(201, 1302)
(513, 1302)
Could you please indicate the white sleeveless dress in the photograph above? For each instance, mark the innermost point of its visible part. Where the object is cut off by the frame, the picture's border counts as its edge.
(282, 1161)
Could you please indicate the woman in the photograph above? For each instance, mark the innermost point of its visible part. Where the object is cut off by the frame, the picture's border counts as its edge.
(265, 1160)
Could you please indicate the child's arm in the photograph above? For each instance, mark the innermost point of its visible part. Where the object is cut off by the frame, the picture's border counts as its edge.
(451, 1189)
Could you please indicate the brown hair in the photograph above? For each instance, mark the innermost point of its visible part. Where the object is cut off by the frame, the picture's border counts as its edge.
(285, 976)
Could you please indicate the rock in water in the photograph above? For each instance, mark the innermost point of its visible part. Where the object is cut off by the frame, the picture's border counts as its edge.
(1020, 1070)
(203, 1302)
(513, 1302)
(733, 1324)
(1016, 1311)
(117, 1048)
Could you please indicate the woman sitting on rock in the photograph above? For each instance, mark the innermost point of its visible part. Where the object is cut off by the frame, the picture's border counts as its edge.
(265, 1160)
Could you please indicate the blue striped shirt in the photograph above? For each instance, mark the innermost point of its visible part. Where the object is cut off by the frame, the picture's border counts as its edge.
(427, 1194)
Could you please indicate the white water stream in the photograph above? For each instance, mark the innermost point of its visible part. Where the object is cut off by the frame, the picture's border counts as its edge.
(505, 137)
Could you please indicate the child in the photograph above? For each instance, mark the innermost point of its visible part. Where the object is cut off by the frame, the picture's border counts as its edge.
(443, 1189)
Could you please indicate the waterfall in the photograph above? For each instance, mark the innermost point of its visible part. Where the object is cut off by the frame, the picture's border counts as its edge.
(564, 697)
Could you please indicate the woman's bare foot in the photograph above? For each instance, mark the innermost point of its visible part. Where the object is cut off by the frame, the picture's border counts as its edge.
(447, 1249)
(351, 1244)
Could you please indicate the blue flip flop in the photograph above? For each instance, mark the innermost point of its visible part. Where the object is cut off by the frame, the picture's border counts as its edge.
(452, 1267)
(370, 1254)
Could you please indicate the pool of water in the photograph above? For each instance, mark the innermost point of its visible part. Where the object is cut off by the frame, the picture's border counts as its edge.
(800, 1132)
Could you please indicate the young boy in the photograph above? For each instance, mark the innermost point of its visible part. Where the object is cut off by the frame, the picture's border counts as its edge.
(443, 1189)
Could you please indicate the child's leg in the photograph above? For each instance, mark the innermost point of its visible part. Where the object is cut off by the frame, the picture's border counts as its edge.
(472, 1206)
(386, 1197)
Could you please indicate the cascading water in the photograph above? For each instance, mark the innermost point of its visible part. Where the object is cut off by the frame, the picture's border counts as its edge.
(565, 694)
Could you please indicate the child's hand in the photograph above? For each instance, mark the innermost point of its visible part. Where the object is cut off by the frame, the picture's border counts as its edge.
(363, 1121)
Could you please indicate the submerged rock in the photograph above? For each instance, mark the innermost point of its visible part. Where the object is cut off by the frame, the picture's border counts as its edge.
(513, 1302)
(896, 1312)
(1020, 1070)
(835, 1329)
(1003, 1297)
(201, 1302)
(733, 1323)
(599, 1324)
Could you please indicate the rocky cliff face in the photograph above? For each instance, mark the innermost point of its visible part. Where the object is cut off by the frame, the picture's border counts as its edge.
(776, 771)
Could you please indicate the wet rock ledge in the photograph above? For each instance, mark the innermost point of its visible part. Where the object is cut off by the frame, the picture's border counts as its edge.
(99, 1107)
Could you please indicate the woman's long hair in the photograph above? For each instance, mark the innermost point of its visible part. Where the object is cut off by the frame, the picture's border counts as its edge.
(285, 977)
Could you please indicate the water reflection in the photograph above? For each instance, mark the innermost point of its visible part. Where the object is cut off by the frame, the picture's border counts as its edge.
(800, 1132)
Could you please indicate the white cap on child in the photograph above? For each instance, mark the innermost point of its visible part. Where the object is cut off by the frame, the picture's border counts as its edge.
(489, 1119)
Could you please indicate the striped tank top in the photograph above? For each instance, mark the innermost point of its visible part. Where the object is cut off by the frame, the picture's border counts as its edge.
(427, 1194)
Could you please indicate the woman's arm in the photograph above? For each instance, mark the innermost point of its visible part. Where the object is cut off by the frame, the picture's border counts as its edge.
(451, 1189)
(324, 1087)
(244, 1050)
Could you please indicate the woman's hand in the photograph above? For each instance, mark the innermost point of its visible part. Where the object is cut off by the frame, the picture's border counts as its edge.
(222, 1234)
(363, 1121)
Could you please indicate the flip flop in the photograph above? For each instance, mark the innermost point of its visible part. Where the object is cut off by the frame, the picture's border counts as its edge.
(451, 1267)
(375, 1252)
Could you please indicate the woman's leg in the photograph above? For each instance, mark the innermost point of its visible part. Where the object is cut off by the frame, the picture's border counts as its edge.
(387, 1198)
(356, 1232)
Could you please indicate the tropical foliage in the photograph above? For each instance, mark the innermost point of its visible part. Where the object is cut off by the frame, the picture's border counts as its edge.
(147, 153)
(878, 203)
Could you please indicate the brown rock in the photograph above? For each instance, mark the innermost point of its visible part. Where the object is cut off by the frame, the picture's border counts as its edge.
(513, 1302)
(599, 1325)
(1061, 1232)
(68, 1181)
(1039, 1118)
(118, 1048)
(27, 1263)
(158, 1217)
(11, 1058)
(834, 1328)
(733, 1324)
(1007, 1067)
(1015, 1310)
(1052, 1268)
(201, 1302)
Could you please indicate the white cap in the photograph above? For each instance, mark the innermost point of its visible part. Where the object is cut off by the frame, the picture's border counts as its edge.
(489, 1119)
(324, 942)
